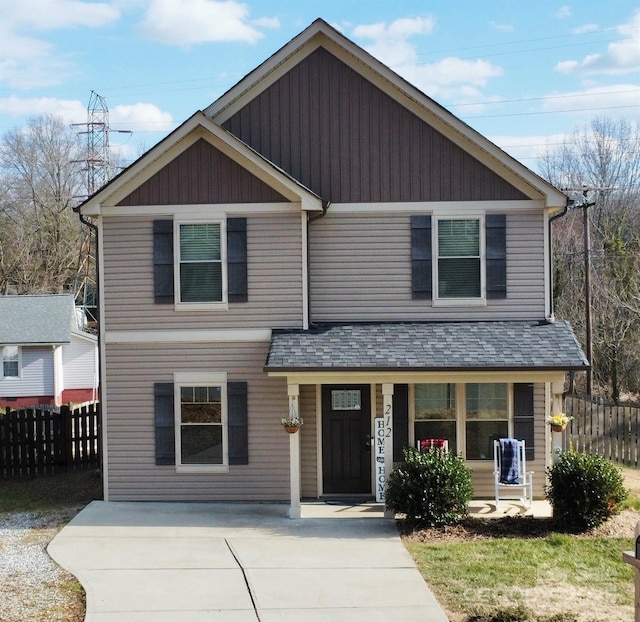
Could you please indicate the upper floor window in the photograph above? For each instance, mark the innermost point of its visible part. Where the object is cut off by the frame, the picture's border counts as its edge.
(201, 261)
(459, 259)
(11, 362)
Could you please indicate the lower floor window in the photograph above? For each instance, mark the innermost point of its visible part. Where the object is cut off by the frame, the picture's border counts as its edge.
(469, 416)
(200, 424)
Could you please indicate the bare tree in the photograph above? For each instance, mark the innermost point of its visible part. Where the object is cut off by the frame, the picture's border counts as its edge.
(41, 180)
(601, 164)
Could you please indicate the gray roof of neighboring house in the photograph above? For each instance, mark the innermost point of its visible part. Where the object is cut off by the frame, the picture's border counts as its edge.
(428, 346)
(43, 319)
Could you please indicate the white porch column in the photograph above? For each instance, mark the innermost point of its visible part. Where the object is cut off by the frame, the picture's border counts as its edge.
(294, 452)
(557, 391)
(387, 414)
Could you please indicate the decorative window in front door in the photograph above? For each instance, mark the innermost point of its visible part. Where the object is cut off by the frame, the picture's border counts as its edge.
(345, 399)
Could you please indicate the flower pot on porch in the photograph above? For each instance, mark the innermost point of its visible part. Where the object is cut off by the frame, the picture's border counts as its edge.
(558, 428)
(292, 429)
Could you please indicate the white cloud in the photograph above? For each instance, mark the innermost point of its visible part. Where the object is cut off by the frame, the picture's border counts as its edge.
(140, 117)
(589, 99)
(70, 110)
(399, 29)
(501, 27)
(452, 79)
(267, 22)
(529, 149)
(27, 61)
(188, 22)
(55, 14)
(563, 12)
(585, 28)
(621, 57)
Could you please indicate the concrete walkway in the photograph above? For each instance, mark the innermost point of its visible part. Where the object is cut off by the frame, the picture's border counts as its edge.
(188, 562)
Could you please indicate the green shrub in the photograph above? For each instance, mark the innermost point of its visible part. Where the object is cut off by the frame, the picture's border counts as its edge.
(431, 488)
(584, 491)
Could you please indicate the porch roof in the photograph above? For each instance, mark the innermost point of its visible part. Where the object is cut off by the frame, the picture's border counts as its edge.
(427, 346)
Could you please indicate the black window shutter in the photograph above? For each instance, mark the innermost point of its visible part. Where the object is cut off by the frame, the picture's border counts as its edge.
(237, 419)
(421, 288)
(165, 423)
(237, 259)
(523, 428)
(163, 261)
(496, 245)
(400, 420)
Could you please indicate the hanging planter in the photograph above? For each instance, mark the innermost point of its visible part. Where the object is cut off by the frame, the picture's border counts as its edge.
(558, 422)
(291, 424)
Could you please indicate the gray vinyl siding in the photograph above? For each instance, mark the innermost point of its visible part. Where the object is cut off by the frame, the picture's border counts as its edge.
(360, 270)
(36, 374)
(79, 364)
(308, 442)
(132, 371)
(274, 249)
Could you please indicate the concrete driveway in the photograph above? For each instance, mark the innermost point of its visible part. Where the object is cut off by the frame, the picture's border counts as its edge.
(187, 562)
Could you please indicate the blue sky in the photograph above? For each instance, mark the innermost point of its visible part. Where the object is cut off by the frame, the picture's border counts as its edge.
(525, 74)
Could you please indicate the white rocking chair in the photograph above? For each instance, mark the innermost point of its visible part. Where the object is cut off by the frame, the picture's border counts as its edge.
(512, 480)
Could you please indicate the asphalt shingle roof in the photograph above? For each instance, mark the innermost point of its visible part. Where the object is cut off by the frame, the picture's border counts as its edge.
(429, 346)
(44, 319)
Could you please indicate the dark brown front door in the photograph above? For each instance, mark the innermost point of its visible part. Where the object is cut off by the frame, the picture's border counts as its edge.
(346, 439)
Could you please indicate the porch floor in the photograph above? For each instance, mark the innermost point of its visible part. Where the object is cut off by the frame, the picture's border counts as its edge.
(477, 507)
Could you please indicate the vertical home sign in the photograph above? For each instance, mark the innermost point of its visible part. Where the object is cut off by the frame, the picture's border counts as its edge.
(380, 433)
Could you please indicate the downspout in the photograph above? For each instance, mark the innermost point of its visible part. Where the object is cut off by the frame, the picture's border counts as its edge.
(310, 219)
(564, 211)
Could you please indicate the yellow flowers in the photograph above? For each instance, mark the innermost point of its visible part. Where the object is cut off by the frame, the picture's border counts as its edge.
(558, 419)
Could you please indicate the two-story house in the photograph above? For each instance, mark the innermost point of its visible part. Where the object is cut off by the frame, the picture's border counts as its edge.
(324, 241)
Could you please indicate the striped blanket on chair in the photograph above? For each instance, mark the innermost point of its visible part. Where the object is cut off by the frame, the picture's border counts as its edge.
(509, 461)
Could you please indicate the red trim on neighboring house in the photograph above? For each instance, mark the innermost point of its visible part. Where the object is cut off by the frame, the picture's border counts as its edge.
(26, 402)
(78, 396)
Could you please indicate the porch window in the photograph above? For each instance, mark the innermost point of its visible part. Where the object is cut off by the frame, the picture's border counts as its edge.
(487, 418)
(435, 412)
(11, 362)
(468, 416)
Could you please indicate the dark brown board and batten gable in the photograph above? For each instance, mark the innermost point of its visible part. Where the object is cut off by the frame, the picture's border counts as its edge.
(202, 174)
(349, 142)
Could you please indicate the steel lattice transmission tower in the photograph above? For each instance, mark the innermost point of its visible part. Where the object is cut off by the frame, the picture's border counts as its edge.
(99, 170)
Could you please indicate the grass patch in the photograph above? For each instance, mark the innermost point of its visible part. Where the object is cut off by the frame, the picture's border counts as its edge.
(49, 493)
(501, 572)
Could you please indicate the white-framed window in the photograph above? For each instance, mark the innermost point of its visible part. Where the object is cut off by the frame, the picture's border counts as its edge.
(459, 270)
(200, 269)
(469, 416)
(201, 421)
(10, 362)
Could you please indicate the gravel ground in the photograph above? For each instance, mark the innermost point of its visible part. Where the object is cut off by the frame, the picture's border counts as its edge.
(32, 586)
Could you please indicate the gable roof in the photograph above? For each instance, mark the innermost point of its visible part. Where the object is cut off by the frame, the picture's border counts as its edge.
(430, 346)
(31, 320)
(198, 127)
(321, 35)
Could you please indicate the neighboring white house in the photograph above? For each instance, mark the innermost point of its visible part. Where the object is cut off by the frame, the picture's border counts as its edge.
(46, 357)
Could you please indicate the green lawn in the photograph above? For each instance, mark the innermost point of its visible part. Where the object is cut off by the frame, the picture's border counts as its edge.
(49, 493)
(499, 572)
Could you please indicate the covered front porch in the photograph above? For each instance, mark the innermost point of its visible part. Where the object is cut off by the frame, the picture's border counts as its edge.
(367, 391)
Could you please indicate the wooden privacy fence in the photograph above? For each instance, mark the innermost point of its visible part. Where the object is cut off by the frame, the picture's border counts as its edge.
(605, 429)
(38, 441)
